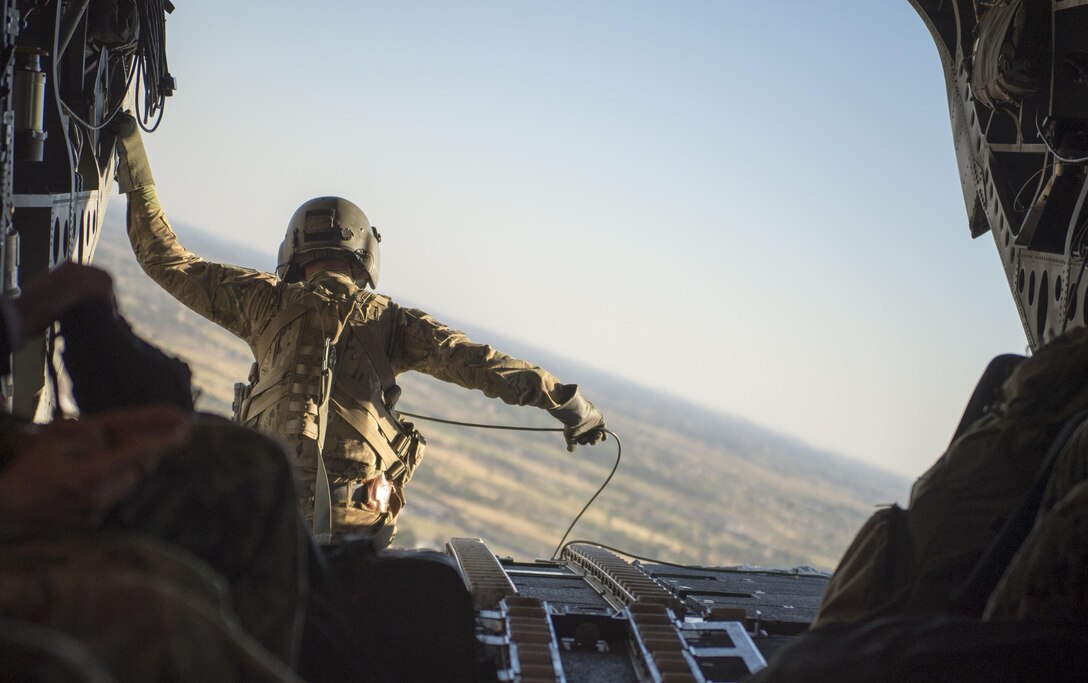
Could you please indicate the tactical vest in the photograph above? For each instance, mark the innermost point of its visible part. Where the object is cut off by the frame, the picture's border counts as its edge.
(364, 435)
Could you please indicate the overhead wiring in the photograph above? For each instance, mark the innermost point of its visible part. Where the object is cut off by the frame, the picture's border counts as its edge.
(144, 62)
(153, 75)
(1016, 205)
(516, 428)
(114, 111)
(1050, 146)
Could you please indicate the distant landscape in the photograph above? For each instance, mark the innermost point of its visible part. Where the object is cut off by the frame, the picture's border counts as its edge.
(694, 486)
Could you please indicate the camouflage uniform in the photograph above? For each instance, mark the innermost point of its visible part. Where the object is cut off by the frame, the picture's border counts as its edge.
(287, 326)
(197, 576)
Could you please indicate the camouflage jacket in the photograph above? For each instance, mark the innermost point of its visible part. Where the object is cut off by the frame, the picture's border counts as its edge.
(255, 306)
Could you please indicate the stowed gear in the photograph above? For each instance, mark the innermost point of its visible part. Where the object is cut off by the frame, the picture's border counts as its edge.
(330, 227)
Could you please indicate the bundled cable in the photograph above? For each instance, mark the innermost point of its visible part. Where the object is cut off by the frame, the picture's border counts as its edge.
(136, 43)
(152, 72)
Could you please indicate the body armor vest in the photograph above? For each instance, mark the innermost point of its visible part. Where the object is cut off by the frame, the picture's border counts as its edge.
(364, 437)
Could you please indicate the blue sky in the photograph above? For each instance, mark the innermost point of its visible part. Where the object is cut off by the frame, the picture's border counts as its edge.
(754, 206)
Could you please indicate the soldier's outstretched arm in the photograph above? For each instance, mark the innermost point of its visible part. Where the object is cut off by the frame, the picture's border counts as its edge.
(426, 345)
(233, 297)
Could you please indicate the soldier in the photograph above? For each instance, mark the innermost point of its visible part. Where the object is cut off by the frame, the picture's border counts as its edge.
(327, 350)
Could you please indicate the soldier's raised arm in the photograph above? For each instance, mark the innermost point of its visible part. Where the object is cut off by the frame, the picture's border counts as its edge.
(230, 296)
(428, 346)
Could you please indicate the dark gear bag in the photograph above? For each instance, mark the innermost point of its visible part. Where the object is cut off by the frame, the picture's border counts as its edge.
(932, 649)
(401, 615)
(872, 574)
(111, 367)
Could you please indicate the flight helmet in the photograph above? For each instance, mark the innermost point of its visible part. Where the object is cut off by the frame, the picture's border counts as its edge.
(330, 227)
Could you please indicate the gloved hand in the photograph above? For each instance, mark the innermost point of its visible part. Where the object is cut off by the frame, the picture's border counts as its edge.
(133, 168)
(584, 424)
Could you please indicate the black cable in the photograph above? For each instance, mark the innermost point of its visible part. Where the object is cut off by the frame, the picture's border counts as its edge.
(114, 112)
(1016, 200)
(608, 479)
(152, 68)
(512, 428)
(123, 52)
(58, 52)
(1050, 147)
(598, 492)
(149, 104)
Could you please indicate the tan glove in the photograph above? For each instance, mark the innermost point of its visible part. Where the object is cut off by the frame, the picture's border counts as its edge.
(133, 168)
(584, 424)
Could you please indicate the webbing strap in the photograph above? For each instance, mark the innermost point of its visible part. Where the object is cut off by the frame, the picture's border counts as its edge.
(358, 419)
(367, 428)
(322, 504)
(354, 389)
(376, 355)
(275, 326)
(260, 398)
(322, 494)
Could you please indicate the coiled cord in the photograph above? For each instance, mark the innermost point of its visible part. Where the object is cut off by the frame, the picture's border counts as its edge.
(151, 69)
(514, 428)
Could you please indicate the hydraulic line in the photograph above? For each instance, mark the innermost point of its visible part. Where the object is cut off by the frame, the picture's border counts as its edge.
(514, 428)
